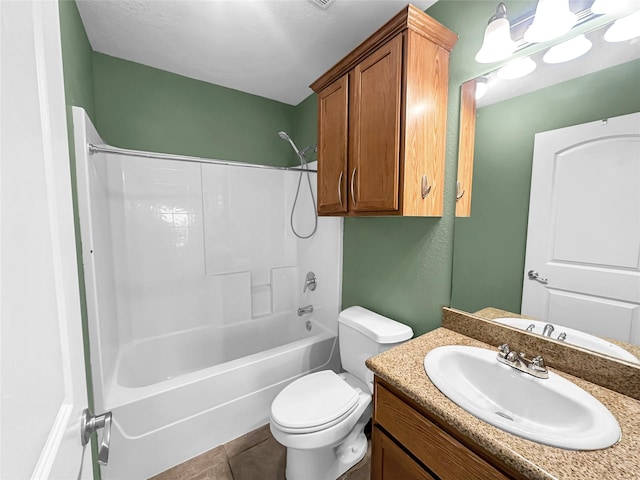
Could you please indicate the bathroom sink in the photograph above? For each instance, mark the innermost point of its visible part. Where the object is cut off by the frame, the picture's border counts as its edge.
(551, 411)
(573, 337)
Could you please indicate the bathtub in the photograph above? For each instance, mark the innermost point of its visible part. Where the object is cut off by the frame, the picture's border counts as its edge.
(172, 396)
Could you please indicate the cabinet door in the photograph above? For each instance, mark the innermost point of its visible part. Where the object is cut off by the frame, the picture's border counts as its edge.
(333, 118)
(466, 148)
(375, 130)
(390, 462)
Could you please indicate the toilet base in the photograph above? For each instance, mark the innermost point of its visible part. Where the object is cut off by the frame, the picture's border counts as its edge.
(326, 463)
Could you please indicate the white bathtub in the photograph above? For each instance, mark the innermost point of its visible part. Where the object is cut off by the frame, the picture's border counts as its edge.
(173, 396)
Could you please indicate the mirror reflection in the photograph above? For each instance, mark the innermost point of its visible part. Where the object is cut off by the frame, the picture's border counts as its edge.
(554, 230)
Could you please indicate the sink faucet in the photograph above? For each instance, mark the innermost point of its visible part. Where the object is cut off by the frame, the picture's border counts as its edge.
(548, 330)
(535, 366)
(303, 310)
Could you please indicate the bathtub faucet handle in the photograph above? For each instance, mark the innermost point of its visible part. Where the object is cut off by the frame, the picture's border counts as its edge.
(311, 283)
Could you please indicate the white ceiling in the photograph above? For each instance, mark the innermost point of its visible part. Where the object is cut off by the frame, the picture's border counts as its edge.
(271, 48)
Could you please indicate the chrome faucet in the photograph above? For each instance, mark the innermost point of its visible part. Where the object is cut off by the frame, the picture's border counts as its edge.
(548, 330)
(311, 283)
(304, 310)
(535, 366)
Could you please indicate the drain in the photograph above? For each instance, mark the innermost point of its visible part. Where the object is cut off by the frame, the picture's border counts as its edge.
(504, 415)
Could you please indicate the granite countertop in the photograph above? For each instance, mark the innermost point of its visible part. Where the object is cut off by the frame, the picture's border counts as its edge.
(402, 367)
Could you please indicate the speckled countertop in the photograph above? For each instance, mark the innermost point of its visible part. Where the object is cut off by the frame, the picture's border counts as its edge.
(402, 367)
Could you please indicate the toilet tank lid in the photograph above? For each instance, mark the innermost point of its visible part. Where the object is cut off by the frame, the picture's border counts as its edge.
(375, 326)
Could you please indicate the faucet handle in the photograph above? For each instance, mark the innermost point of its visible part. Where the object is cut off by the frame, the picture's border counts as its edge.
(310, 282)
(537, 363)
(503, 350)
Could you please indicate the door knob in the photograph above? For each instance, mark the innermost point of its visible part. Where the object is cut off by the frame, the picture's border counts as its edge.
(533, 275)
(91, 423)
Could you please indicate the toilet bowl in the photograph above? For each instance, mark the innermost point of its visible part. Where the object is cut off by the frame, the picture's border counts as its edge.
(321, 417)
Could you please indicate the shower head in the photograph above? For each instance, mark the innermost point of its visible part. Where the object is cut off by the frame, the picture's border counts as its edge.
(284, 136)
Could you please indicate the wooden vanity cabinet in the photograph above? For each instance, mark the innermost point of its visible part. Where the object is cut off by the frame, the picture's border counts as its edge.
(407, 443)
(382, 122)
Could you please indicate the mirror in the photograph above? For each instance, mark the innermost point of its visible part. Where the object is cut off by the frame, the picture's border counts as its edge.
(490, 245)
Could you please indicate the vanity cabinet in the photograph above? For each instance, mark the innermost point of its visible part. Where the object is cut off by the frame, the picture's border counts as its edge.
(408, 443)
(382, 122)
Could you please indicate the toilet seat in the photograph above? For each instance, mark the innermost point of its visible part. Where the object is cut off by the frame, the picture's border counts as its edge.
(314, 402)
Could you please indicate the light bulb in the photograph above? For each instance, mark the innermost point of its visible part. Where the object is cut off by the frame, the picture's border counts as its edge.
(624, 28)
(552, 20)
(516, 69)
(497, 44)
(481, 87)
(568, 50)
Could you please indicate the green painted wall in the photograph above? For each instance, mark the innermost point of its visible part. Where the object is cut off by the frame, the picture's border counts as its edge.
(145, 108)
(490, 245)
(305, 123)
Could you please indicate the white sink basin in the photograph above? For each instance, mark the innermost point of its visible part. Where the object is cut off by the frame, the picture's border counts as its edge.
(550, 411)
(574, 337)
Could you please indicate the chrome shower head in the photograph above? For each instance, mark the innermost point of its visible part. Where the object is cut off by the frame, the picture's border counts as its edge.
(284, 136)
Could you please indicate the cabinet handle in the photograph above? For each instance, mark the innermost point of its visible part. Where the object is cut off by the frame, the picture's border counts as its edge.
(426, 188)
(353, 194)
(459, 194)
(340, 188)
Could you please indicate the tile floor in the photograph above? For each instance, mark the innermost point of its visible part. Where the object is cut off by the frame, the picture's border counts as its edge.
(254, 456)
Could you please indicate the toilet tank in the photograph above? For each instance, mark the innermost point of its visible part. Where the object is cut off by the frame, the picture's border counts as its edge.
(363, 334)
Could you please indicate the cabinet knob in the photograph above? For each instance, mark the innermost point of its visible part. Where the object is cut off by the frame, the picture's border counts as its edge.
(426, 188)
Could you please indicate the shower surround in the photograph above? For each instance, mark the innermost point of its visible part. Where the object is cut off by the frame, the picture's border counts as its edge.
(193, 281)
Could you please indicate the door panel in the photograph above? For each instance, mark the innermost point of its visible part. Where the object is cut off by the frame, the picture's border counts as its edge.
(333, 118)
(584, 228)
(375, 148)
(43, 383)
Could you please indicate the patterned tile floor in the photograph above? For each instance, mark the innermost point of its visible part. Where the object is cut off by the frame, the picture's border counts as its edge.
(254, 456)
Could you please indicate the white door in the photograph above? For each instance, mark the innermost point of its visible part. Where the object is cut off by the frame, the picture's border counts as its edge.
(43, 389)
(583, 237)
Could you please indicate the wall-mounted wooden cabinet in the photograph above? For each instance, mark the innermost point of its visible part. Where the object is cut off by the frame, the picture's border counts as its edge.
(382, 114)
(408, 444)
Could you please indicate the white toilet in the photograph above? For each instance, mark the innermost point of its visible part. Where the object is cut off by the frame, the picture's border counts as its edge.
(320, 417)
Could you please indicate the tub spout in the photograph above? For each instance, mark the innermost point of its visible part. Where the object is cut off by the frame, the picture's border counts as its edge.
(304, 310)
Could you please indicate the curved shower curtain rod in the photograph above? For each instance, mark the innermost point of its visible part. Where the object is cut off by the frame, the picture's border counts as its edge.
(185, 158)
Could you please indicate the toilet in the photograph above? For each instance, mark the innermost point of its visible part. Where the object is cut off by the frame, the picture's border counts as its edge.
(320, 417)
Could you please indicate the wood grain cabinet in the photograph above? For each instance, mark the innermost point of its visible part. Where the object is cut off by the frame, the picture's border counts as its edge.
(409, 444)
(382, 122)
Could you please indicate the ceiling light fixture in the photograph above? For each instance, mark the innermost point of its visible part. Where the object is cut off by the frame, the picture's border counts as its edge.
(565, 51)
(552, 20)
(624, 28)
(497, 44)
(516, 69)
